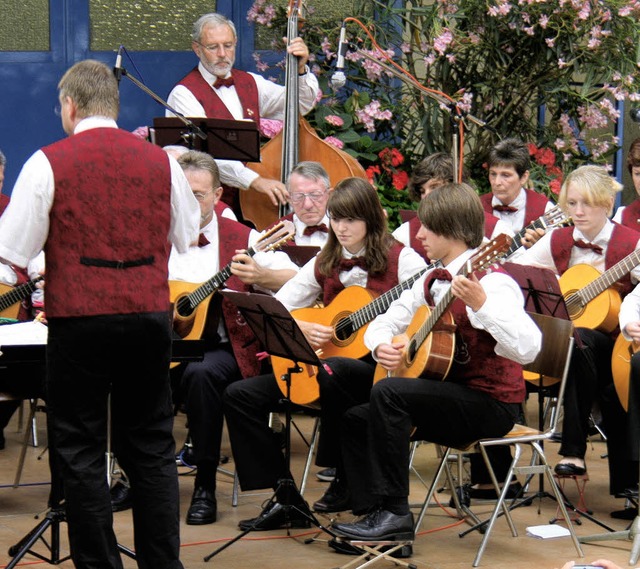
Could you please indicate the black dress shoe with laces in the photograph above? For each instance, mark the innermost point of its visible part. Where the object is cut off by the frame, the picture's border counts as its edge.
(569, 469)
(120, 497)
(204, 507)
(379, 525)
(337, 498)
(276, 516)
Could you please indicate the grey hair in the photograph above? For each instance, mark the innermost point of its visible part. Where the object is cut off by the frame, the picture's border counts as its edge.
(313, 171)
(214, 20)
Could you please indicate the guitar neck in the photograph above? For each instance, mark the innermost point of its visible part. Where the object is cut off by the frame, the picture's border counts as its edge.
(207, 288)
(379, 305)
(609, 277)
(18, 293)
(439, 309)
(540, 223)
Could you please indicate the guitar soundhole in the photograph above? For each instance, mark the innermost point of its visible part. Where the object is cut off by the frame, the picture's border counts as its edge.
(411, 352)
(343, 330)
(574, 304)
(183, 307)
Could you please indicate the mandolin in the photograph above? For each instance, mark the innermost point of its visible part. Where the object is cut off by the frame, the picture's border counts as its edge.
(595, 305)
(191, 301)
(555, 217)
(623, 350)
(10, 296)
(349, 326)
(430, 337)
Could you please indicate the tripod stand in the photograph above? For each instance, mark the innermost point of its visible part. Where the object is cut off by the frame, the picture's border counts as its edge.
(279, 334)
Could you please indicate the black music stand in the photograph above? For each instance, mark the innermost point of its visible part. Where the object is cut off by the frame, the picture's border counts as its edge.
(224, 139)
(278, 332)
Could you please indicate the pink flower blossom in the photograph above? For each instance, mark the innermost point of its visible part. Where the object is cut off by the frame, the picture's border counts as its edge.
(270, 127)
(334, 142)
(441, 43)
(334, 120)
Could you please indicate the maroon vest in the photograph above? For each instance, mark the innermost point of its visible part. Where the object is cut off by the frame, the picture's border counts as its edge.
(232, 236)
(622, 243)
(475, 362)
(631, 215)
(331, 285)
(107, 248)
(535, 205)
(490, 222)
(213, 106)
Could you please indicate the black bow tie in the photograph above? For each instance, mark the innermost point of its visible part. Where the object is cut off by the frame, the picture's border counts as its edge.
(311, 229)
(348, 264)
(505, 208)
(585, 245)
(226, 82)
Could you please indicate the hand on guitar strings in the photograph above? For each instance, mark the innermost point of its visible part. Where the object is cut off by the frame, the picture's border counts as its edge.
(633, 331)
(469, 290)
(275, 190)
(389, 356)
(531, 236)
(316, 334)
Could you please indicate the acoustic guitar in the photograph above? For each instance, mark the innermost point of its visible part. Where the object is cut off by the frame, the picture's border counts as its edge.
(10, 297)
(595, 305)
(555, 217)
(349, 325)
(430, 337)
(191, 301)
(623, 350)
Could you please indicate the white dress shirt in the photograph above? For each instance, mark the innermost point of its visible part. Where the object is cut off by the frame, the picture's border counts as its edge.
(303, 289)
(24, 226)
(316, 239)
(515, 219)
(502, 315)
(271, 99)
(539, 255)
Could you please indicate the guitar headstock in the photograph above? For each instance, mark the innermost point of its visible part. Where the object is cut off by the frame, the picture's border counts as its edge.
(278, 235)
(556, 217)
(488, 254)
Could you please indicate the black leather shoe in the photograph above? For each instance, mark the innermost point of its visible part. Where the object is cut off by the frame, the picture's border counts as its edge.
(326, 475)
(204, 507)
(569, 469)
(120, 497)
(625, 514)
(337, 498)
(276, 516)
(379, 525)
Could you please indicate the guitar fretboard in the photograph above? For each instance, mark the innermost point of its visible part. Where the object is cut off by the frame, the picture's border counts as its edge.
(379, 305)
(603, 282)
(554, 215)
(18, 293)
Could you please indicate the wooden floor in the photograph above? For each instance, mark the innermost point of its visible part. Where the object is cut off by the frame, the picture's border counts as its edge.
(438, 544)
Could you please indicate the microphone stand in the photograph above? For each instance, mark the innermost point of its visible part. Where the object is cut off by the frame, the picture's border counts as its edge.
(456, 115)
(194, 130)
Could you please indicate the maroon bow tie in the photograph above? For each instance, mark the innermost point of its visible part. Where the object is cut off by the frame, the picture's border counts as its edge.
(505, 208)
(439, 275)
(311, 229)
(585, 245)
(202, 240)
(348, 264)
(226, 82)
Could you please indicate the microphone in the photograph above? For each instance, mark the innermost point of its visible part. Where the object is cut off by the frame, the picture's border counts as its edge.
(117, 68)
(339, 79)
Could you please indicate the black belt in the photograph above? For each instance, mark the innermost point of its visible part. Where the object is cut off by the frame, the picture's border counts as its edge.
(116, 264)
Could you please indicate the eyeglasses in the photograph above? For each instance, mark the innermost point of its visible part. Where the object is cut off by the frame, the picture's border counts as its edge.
(201, 196)
(229, 46)
(315, 197)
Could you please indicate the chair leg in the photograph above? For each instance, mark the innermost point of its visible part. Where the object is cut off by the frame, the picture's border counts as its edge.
(25, 441)
(312, 449)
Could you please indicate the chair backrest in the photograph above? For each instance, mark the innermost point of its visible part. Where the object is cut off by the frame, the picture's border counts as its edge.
(554, 357)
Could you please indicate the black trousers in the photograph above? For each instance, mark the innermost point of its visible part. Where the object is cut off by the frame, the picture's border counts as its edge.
(128, 357)
(201, 386)
(376, 435)
(247, 404)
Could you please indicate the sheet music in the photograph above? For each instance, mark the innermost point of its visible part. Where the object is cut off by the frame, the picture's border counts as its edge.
(23, 333)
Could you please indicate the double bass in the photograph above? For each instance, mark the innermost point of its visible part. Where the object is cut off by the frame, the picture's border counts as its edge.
(296, 142)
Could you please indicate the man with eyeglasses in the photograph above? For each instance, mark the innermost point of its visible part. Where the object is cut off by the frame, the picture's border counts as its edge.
(230, 352)
(215, 89)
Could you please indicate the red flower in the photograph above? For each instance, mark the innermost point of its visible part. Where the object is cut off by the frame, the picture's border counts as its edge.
(545, 157)
(555, 185)
(532, 149)
(371, 173)
(399, 180)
